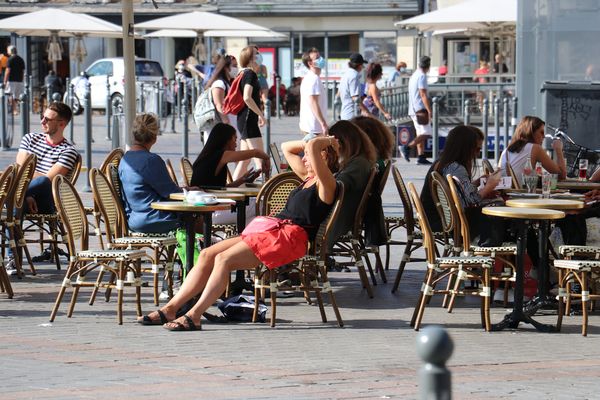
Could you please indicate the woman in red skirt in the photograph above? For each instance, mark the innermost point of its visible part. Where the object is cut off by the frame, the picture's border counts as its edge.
(273, 241)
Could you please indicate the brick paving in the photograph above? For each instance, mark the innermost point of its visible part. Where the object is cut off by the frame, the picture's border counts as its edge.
(373, 356)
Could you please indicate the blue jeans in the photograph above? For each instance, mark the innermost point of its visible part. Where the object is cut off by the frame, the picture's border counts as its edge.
(40, 189)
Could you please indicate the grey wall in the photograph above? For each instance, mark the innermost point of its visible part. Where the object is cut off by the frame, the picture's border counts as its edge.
(556, 40)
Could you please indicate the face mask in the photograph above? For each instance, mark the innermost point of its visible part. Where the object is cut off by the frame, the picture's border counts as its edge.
(402, 69)
(258, 58)
(320, 63)
(233, 72)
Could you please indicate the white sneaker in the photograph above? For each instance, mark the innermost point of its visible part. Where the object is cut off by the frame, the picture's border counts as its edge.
(499, 296)
(10, 267)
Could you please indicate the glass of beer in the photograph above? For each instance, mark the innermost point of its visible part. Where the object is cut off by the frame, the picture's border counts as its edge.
(583, 166)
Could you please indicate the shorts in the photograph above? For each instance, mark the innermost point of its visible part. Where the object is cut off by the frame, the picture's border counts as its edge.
(16, 89)
(421, 129)
(279, 246)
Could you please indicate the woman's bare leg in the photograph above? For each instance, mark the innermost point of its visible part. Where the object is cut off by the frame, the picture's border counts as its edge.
(256, 143)
(196, 280)
(238, 256)
(242, 166)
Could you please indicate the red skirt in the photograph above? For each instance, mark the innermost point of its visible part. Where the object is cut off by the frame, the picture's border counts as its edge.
(280, 244)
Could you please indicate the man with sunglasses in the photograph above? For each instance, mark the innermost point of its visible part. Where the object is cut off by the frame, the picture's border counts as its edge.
(54, 156)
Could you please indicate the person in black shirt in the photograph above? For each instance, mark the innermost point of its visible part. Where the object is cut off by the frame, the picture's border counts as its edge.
(13, 76)
(273, 241)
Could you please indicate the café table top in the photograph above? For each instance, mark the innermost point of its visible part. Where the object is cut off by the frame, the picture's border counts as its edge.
(180, 206)
(250, 191)
(574, 184)
(523, 213)
(230, 196)
(553, 204)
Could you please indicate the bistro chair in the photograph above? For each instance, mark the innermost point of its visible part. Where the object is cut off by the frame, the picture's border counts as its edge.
(279, 162)
(112, 158)
(125, 264)
(171, 171)
(352, 244)
(414, 236)
(310, 268)
(163, 246)
(12, 221)
(50, 224)
(516, 183)
(273, 195)
(6, 181)
(488, 169)
(186, 171)
(505, 253)
(440, 268)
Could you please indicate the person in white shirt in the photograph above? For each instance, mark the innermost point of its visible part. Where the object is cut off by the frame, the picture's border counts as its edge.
(350, 89)
(313, 96)
(417, 100)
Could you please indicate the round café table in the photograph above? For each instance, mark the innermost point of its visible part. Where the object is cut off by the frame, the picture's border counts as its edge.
(542, 299)
(523, 217)
(189, 213)
(574, 184)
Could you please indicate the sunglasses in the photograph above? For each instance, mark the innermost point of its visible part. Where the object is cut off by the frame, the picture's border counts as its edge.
(46, 119)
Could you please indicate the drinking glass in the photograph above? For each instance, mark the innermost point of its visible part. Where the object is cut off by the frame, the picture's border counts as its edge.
(546, 185)
(530, 181)
(583, 166)
(554, 181)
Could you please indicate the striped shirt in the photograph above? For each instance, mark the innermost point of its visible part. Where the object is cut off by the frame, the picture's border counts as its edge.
(63, 153)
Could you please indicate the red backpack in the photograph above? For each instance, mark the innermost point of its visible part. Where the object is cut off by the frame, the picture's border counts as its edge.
(234, 101)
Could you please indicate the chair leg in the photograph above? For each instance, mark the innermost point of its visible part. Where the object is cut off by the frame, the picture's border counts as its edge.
(138, 287)
(273, 293)
(155, 275)
(405, 257)
(257, 292)
(327, 288)
(487, 298)
(365, 255)
(5, 281)
(356, 253)
(97, 286)
(457, 282)
(568, 286)
(378, 264)
(585, 298)
(20, 236)
(119, 286)
(387, 256)
(562, 296)
(426, 293)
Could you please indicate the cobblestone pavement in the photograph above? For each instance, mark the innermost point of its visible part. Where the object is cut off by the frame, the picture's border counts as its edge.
(373, 356)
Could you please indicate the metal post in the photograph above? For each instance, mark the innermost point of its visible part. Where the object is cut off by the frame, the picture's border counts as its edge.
(486, 109)
(142, 103)
(506, 119)
(3, 118)
(173, 108)
(71, 90)
(435, 149)
(267, 126)
(24, 105)
(88, 134)
(184, 104)
(180, 88)
(194, 91)
(48, 95)
(513, 120)
(336, 106)
(277, 99)
(29, 87)
(497, 128)
(467, 114)
(156, 91)
(108, 108)
(116, 134)
(435, 347)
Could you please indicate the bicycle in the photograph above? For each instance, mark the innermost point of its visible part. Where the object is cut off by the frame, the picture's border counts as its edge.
(574, 152)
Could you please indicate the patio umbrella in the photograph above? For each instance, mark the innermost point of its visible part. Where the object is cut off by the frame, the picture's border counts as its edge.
(200, 21)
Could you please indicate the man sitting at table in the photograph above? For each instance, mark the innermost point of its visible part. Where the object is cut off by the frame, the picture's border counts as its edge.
(54, 156)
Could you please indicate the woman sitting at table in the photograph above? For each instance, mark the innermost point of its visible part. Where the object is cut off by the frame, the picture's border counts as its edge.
(380, 135)
(210, 168)
(145, 180)
(526, 143)
(462, 146)
(272, 241)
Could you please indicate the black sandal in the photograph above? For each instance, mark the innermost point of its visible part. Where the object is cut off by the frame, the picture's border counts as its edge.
(179, 327)
(146, 320)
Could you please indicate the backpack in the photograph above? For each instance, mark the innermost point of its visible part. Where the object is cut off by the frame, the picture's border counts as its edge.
(234, 101)
(205, 113)
(240, 308)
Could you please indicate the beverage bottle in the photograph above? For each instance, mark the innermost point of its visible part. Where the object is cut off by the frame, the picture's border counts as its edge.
(538, 168)
(527, 169)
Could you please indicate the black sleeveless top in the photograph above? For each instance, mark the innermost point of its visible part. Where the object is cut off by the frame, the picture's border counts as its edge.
(204, 171)
(306, 209)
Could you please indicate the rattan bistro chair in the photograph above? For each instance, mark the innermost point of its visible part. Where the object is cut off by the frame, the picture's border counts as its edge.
(6, 181)
(163, 247)
(125, 264)
(171, 171)
(488, 169)
(273, 195)
(516, 183)
(439, 268)
(186, 171)
(311, 269)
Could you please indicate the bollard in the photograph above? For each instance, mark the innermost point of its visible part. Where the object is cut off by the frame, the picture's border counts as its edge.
(497, 128)
(467, 114)
(435, 149)
(116, 135)
(185, 143)
(506, 119)
(3, 119)
(267, 143)
(194, 91)
(277, 99)
(71, 90)
(108, 108)
(24, 105)
(173, 110)
(485, 118)
(56, 97)
(435, 347)
(88, 134)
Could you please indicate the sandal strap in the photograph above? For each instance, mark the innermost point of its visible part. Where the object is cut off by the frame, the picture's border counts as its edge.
(190, 322)
(163, 317)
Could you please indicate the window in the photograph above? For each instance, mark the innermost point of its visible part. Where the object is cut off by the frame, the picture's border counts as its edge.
(101, 68)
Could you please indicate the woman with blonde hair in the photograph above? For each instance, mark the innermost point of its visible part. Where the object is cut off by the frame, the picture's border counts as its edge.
(526, 143)
(250, 119)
